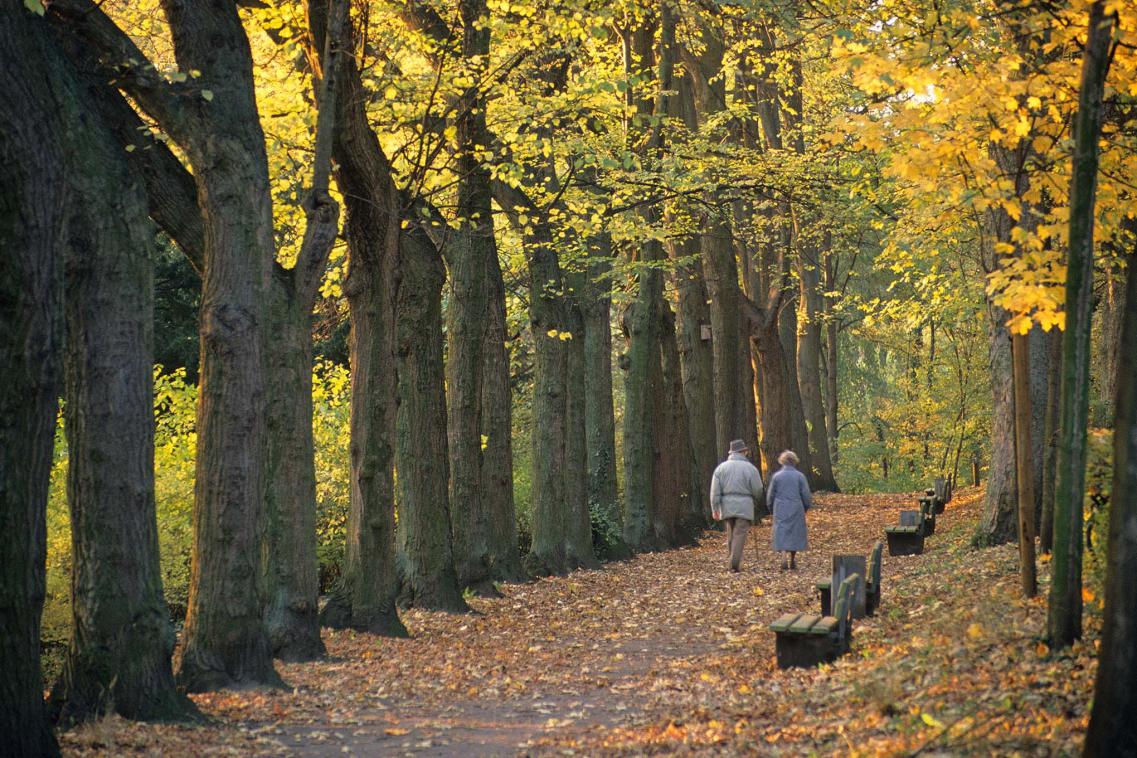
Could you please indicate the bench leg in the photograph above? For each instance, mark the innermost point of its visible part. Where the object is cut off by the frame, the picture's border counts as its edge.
(805, 650)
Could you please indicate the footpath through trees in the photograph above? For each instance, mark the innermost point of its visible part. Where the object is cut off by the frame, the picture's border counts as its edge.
(671, 652)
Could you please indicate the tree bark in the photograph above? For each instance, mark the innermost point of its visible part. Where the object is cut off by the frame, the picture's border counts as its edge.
(35, 98)
(997, 524)
(1065, 621)
(364, 598)
(430, 578)
(122, 639)
(678, 510)
(1024, 463)
(1113, 730)
(809, 368)
(1050, 452)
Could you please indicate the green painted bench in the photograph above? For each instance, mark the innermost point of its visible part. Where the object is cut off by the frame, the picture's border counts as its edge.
(804, 640)
(844, 565)
(908, 537)
(872, 579)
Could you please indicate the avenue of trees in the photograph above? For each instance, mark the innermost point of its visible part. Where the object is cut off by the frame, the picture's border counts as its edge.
(389, 302)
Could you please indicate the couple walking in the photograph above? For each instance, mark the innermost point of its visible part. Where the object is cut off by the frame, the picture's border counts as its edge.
(736, 489)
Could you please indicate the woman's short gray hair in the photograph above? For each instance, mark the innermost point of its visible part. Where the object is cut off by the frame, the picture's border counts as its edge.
(788, 458)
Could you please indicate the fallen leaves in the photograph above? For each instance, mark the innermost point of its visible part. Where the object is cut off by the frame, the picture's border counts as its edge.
(671, 652)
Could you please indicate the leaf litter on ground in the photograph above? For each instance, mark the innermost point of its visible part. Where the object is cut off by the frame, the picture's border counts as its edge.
(670, 653)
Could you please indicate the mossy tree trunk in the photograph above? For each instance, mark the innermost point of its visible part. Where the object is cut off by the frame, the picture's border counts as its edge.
(119, 658)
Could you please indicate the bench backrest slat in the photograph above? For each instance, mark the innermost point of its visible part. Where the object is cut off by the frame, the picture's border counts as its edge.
(843, 605)
(911, 518)
(874, 564)
(941, 489)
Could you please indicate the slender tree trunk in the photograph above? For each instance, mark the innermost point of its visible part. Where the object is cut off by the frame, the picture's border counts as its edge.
(291, 568)
(1113, 730)
(122, 639)
(600, 419)
(788, 330)
(35, 98)
(809, 369)
(1024, 460)
(364, 597)
(1050, 455)
(1065, 623)
(578, 521)
(430, 579)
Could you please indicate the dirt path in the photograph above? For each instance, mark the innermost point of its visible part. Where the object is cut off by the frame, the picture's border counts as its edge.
(666, 650)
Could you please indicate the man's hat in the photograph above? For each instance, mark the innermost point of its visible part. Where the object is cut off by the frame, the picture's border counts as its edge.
(739, 446)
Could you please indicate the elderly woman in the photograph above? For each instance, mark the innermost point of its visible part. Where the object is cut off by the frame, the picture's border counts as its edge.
(788, 499)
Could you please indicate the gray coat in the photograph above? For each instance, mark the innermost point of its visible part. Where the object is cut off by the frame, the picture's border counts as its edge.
(735, 487)
(789, 499)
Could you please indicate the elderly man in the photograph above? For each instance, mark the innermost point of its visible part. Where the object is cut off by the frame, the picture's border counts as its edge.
(736, 488)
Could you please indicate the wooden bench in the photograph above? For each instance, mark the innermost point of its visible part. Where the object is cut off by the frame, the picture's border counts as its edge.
(928, 508)
(805, 640)
(942, 494)
(872, 579)
(844, 565)
(908, 537)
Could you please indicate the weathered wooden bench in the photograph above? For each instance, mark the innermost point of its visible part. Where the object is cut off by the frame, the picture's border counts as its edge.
(805, 640)
(908, 537)
(928, 508)
(872, 579)
(844, 565)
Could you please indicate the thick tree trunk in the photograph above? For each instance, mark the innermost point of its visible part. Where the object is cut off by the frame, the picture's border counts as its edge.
(1040, 354)
(777, 430)
(364, 598)
(1065, 621)
(678, 510)
(1024, 462)
(998, 522)
(225, 643)
(547, 322)
(721, 272)
(1113, 730)
(122, 639)
(641, 325)
(787, 330)
(809, 370)
(429, 576)
(696, 359)
(500, 554)
(35, 98)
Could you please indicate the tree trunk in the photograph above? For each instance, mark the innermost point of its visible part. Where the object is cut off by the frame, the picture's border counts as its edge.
(35, 98)
(547, 323)
(777, 432)
(1065, 622)
(429, 577)
(696, 360)
(501, 557)
(122, 639)
(1024, 462)
(600, 419)
(787, 329)
(678, 510)
(809, 369)
(578, 521)
(364, 597)
(997, 524)
(224, 642)
(1113, 730)
(291, 567)
(1050, 453)
(641, 325)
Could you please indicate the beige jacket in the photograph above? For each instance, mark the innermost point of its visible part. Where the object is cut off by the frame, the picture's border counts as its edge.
(735, 487)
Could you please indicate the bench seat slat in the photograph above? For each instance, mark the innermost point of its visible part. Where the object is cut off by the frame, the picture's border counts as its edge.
(824, 584)
(804, 624)
(784, 622)
(827, 625)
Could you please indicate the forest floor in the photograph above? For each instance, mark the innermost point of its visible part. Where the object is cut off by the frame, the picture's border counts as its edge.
(670, 653)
